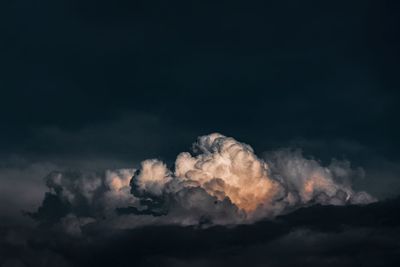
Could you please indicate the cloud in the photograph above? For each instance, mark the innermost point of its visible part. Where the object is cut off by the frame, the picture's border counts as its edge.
(21, 188)
(350, 235)
(223, 182)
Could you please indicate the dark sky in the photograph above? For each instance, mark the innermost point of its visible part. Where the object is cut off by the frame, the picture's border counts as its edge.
(94, 84)
(133, 79)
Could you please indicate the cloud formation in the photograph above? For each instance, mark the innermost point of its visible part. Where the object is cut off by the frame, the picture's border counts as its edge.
(223, 182)
(351, 235)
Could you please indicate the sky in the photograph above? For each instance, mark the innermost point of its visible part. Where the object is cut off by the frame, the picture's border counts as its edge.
(89, 86)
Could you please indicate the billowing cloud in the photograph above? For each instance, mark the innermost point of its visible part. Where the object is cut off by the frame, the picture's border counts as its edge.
(222, 182)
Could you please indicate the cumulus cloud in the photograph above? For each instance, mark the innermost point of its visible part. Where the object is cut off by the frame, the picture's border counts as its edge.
(221, 182)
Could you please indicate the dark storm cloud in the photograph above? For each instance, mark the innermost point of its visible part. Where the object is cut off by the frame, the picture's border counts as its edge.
(318, 235)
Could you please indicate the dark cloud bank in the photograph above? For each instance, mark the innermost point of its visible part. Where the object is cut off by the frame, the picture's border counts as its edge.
(314, 236)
